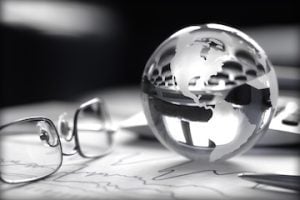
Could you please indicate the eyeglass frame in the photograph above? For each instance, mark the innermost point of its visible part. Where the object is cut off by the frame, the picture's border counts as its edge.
(77, 149)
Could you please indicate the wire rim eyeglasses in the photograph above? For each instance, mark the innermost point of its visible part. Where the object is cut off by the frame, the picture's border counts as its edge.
(32, 148)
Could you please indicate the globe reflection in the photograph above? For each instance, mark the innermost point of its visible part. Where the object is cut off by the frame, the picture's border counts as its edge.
(209, 92)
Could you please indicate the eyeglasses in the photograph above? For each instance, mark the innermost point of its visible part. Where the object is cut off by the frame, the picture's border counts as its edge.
(32, 148)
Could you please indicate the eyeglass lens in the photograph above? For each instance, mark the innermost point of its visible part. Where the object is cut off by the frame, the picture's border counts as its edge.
(30, 150)
(93, 136)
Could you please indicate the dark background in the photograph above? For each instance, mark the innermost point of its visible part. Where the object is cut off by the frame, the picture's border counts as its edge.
(37, 65)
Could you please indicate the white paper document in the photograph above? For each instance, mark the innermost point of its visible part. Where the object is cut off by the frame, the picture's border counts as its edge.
(141, 169)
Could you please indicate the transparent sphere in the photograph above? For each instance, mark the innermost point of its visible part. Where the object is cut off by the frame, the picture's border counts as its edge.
(209, 92)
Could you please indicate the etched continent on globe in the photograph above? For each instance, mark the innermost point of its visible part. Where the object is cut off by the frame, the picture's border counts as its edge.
(209, 92)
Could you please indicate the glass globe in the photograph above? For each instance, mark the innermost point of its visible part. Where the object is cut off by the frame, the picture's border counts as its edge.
(209, 92)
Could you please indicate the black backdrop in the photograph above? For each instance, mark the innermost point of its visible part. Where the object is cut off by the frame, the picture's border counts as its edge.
(38, 66)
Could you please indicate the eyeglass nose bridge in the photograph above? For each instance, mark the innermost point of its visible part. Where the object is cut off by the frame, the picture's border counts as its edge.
(75, 151)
